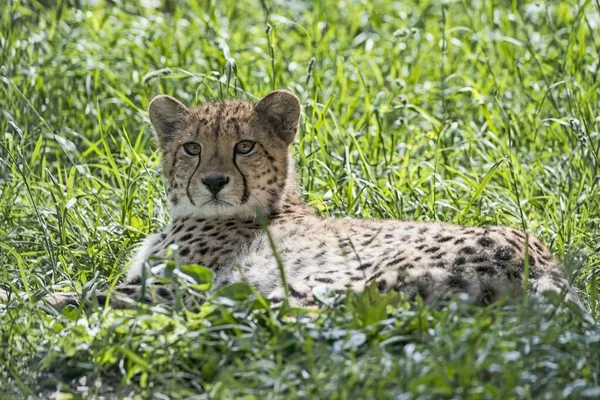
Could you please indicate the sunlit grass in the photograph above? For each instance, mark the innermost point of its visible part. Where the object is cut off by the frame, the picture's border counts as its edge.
(476, 113)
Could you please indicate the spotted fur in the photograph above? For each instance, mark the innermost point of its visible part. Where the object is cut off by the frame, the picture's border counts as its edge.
(221, 230)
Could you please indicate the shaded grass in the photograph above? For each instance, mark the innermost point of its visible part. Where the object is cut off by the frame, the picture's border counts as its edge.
(472, 112)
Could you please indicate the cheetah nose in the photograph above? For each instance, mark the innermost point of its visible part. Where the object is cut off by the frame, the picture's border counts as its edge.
(215, 182)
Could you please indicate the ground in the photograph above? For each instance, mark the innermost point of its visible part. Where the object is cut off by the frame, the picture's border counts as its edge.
(475, 113)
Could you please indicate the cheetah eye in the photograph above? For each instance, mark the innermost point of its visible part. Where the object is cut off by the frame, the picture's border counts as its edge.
(192, 149)
(244, 147)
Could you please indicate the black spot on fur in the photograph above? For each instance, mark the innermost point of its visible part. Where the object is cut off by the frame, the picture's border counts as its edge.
(421, 247)
(71, 302)
(485, 241)
(101, 299)
(375, 276)
(532, 260)
(460, 261)
(504, 253)
(479, 259)
(514, 244)
(432, 249)
(136, 280)
(518, 234)
(397, 260)
(324, 280)
(364, 266)
(178, 228)
(485, 269)
(459, 241)
(207, 228)
(126, 290)
(185, 251)
(382, 285)
(296, 294)
(468, 250)
(445, 239)
(321, 254)
(458, 283)
(186, 237)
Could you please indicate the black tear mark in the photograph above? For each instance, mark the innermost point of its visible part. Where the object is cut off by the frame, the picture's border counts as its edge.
(245, 195)
(187, 188)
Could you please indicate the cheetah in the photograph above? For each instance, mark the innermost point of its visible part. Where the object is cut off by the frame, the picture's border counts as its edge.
(227, 165)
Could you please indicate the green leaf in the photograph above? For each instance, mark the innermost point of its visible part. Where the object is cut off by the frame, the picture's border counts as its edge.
(200, 278)
(237, 291)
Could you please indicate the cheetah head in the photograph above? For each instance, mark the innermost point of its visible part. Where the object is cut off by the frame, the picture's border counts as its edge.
(227, 159)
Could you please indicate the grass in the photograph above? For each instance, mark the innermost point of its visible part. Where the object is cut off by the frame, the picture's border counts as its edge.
(475, 113)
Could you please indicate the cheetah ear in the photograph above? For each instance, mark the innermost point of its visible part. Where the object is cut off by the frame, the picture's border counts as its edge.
(167, 116)
(282, 109)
